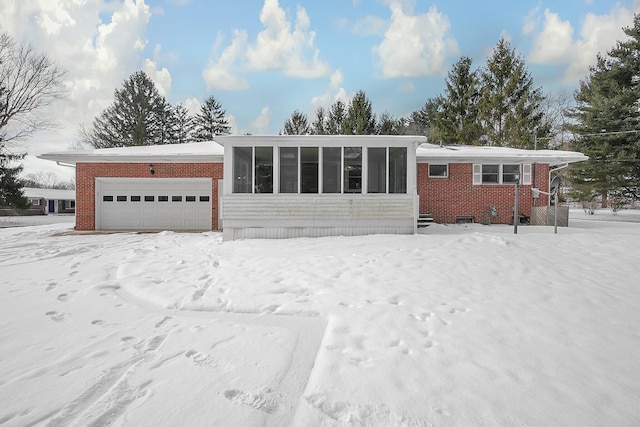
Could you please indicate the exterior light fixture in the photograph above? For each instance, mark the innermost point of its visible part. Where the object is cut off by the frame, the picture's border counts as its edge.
(151, 169)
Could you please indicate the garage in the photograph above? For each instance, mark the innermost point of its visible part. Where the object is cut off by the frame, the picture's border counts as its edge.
(153, 203)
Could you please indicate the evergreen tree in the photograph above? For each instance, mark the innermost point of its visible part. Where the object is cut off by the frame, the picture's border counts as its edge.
(387, 125)
(607, 104)
(421, 122)
(297, 124)
(182, 125)
(137, 116)
(11, 193)
(336, 119)
(510, 108)
(210, 121)
(319, 125)
(456, 119)
(360, 119)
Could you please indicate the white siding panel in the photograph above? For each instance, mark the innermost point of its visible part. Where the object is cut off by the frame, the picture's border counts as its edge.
(285, 216)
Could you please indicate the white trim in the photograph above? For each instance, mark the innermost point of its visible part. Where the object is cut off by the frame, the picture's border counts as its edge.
(526, 174)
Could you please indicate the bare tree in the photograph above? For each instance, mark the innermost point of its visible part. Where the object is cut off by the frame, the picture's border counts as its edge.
(30, 82)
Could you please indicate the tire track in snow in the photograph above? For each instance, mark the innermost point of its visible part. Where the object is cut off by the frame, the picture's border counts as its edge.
(107, 398)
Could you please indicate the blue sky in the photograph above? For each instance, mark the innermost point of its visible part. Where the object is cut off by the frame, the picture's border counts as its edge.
(263, 59)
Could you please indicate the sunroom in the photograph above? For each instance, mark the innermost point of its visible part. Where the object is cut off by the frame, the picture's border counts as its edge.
(313, 186)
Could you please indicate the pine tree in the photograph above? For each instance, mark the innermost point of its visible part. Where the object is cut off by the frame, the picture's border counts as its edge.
(608, 124)
(319, 125)
(137, 116)
(11, 193)
(182, 125)
(360, 119)
(510, 108)
(387, 125)
(337, 115)
(297, 124)
(210, 121)
(456, 121)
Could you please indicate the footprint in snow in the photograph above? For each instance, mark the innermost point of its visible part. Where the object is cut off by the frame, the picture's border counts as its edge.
(56, 316)
(63, 297)
(255, 401)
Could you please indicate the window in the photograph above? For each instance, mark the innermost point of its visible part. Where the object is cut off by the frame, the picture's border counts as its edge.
(264, 170)
(490, 174)
(510, 173)
(190, 199)
(377, 170)
(398, 170)
(121, 198)
(352, 169)
(149, 198)
(176, 198)
(331, 166)
(242, 170)
(135, 198)
(204, 198)
(163, 198)
(107, 198)
(438, 171)
(309, 169)
(34, 202)
(501, 174)
(289, 169)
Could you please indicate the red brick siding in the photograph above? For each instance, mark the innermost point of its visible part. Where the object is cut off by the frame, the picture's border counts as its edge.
(86, 174)
(456, 196)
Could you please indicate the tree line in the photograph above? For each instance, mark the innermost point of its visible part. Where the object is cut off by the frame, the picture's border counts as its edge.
(139, 115)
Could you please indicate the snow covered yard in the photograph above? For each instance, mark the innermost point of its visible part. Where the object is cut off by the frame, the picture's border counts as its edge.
(458, 325)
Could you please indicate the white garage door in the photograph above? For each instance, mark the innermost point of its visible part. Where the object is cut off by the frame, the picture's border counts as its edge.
(153, 204)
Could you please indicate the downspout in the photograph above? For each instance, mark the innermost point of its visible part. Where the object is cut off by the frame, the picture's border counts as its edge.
(549, 182)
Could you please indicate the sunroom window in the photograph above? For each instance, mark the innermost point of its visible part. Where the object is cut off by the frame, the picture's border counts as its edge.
(264, 170)
(377, 170)
(242, 169)
(397, 170)
(353, 169)
(331, 165)
(289, 169)
(309, 169)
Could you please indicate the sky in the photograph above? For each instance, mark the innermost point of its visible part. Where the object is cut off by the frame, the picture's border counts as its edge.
(264, 59)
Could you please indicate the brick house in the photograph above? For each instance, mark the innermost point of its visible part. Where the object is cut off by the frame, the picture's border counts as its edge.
(289, 186)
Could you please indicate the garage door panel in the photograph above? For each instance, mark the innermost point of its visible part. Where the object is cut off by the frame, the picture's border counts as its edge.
(153, 204)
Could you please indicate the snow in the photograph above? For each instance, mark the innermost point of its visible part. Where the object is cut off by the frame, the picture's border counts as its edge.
(457, 325)
(480, 154)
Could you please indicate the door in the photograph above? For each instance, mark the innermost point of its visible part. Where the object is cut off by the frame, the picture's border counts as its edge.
(153, 203)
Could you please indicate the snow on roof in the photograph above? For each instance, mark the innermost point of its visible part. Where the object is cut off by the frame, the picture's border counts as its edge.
(214, 152)
(49, 194)
(468, 154)
(167, 153)
(323, 140)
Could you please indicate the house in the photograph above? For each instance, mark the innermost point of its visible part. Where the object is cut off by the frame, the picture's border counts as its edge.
(51, 200)
(44, 201)
(290, 186)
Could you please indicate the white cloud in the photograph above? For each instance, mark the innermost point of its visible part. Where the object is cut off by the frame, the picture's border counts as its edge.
(370, 26)
(334, 92)
(556, 44)
(98, 42)
(279, 46)
(262, 122)
(415, 45)
(221, 73)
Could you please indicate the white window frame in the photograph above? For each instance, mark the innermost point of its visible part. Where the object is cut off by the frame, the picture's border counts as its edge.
(525, 173)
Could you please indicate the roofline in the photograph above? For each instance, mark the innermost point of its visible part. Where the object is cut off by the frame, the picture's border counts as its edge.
(72, 158)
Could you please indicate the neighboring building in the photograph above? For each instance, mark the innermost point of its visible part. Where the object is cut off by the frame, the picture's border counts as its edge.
(289, 186)
(46, 201)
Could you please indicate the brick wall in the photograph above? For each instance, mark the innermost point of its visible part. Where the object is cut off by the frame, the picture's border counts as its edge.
(86, 173)
(455, 196)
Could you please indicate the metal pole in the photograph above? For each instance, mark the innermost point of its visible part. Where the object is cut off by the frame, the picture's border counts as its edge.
(555, 212)
(516, 207)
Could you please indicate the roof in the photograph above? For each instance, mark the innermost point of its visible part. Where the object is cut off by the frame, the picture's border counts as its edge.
(323, 140)
(213, 151)
(483, 154)
(167, 153)
(49, 194)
